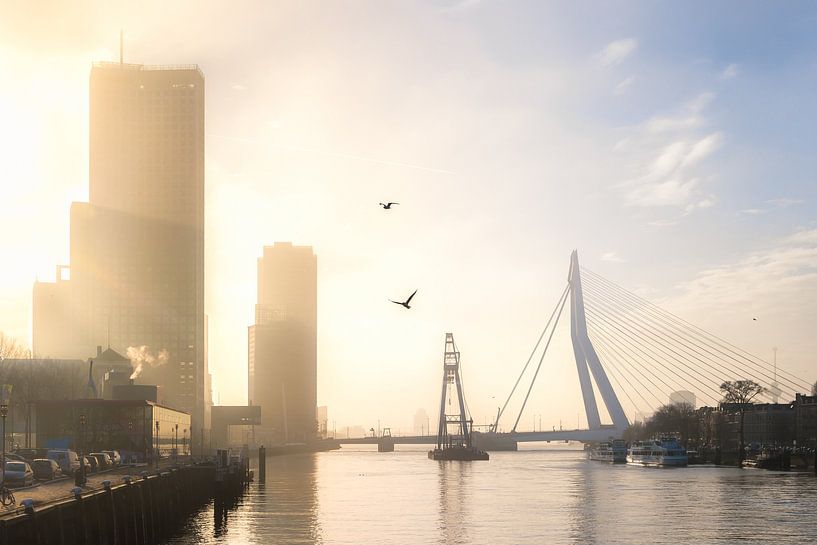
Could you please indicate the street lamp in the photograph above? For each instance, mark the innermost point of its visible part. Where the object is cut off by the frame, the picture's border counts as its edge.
(176, 444)
(156, 462)
(80, 477)
(4, 411)
(184, 441)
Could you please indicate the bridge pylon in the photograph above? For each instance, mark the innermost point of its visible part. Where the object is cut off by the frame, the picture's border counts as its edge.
(587, 361)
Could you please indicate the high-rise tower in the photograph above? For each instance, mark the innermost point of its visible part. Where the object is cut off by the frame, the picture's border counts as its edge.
(283, 350)
(137, 246)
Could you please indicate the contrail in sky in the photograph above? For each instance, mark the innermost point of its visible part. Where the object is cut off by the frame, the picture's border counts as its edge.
(331, 154)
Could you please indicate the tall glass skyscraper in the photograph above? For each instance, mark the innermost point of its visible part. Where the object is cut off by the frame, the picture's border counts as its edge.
(283, 344)
(137, 247)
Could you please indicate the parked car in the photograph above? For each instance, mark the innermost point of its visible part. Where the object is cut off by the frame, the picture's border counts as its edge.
(31, 454)
(14, 457)
(116, 458)
(45, 469)
(18, 474)
(91, 464)
(68, 459)
(104, 460)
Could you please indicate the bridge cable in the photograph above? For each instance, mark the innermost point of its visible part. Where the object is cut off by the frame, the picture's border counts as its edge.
(535, 374)
(657, 340)
(648, 312)
(536, 347)
(724, 347)
(684, 347)
(651, 354)
(691, 341)
(614, 355)
(645, 376)
(616, 378)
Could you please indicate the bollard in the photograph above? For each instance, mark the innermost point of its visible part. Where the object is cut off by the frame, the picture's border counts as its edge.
(262, 464)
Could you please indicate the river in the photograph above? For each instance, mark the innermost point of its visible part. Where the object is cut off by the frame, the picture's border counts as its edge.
(535, 496)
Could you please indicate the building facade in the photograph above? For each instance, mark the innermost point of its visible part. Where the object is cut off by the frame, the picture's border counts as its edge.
(282, 344)
(137, 247)
(136, 428)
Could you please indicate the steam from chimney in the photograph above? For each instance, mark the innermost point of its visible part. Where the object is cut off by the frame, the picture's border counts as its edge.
(140, 355)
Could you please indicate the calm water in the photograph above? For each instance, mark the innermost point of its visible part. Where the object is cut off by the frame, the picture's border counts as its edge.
(532, 496)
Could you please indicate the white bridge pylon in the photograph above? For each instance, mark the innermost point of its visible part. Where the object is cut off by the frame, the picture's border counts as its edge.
(587, 361)
(587, 365)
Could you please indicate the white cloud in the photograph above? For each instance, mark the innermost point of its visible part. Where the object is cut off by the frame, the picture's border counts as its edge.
(611, 257)
(623, 85)
(776, 284)
(617, 52)
(668, 151)
(729, 72)
(784, 202)
(238, 87)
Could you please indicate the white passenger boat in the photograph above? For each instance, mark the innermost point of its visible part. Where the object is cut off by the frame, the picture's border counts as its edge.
(658, 452)
(614, 451)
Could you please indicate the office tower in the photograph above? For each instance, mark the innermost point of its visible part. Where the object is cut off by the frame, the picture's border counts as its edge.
(137, 246)
(283, 350)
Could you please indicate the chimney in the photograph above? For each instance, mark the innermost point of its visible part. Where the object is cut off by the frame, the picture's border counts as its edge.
(98, 350)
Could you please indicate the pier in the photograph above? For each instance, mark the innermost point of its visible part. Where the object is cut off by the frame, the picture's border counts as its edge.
(121, 507)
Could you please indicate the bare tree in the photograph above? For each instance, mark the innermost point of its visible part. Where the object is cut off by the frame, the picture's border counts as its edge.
(741, 393)
(814, 389)
(11, 348)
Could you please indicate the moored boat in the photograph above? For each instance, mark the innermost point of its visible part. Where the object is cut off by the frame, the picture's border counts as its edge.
(614, 451)
(658, 452)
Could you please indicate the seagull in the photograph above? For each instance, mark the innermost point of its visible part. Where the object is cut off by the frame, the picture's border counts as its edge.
(407, 301)
(755, 319)
(387, 205)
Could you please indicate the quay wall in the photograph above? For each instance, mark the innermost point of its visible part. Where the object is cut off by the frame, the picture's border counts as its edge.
(145, 510)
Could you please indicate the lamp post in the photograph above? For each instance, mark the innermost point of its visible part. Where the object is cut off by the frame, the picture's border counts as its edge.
(4, 411)
(156, 461)
(184, 442)
(176, 444)
(80, 476)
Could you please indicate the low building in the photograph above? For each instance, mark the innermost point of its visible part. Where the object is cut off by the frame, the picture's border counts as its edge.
(764, 424)
(805, 410)
(136, 428)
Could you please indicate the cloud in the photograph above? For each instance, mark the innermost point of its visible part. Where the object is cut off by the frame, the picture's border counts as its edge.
(784, 202)
(238, 87)
(777, 284)
(617, 52)
(729, 72)
(668, 151)
(623, 85)
(612, 257)
(774, 204)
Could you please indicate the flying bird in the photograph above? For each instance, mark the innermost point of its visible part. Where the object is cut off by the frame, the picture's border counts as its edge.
(755, 319)
(387, 205)
(406, 302)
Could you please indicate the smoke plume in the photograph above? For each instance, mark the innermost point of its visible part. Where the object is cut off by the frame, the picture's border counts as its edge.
(140, 356)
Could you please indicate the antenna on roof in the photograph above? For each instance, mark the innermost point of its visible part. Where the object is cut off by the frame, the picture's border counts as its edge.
(121, 48)
(109, 331)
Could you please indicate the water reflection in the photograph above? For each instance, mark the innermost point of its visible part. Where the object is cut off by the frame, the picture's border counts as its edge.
(454, 485)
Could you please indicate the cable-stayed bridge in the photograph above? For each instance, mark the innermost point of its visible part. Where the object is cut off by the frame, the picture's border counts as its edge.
(627, 348)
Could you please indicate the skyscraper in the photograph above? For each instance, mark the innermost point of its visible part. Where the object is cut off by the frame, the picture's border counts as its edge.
(283, 351)
(137, 246)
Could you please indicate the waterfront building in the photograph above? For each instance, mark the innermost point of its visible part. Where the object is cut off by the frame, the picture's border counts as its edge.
(136, 273)
(682, 397)
(764, 424)
(128, 426)
(805, 409)
(282, 344)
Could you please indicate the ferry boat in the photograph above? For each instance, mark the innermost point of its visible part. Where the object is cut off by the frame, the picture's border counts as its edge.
(658, 452)
(614, 451)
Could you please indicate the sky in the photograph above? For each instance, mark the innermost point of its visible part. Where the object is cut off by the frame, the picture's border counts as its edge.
(671, 144)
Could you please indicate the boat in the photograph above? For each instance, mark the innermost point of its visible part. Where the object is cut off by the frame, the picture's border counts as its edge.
(614, 451)
(385, 443)
(658, 452)
(457, 452)
(770, 458)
